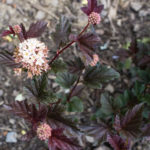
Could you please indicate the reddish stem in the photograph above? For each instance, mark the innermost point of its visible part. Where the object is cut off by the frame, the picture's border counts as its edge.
(67, 46)
(70, 94)
(84, 29)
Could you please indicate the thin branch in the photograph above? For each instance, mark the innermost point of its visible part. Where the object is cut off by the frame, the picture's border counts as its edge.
(72, 90)
(67, 46)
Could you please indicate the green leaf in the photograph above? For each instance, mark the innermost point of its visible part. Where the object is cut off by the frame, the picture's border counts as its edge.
(75, 105)
(60, 36)
(107, 104)
(127, 63)
(138, 89)
(95, 76)
(76, 65)
(66, 79)
(49, 98)
(58, 66)
(146, 98)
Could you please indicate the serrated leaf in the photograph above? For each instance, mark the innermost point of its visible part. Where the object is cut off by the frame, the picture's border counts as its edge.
(76, 65)
(8, 32)
(58, 66)
(66, 79)
(99, 131)
(36, 29)
(138, 89)
(106, 104)
(146, 130)
(87, 44)
(130, 124)
(118, 143)
(61, 35)
(75, 105)
(7, 59)
(95, 76)
(58, 141)
(92, 7)
(28, 111)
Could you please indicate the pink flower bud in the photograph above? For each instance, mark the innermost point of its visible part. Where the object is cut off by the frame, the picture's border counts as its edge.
(95, 60)
(94, 18)
(17, 29)
(44, 131)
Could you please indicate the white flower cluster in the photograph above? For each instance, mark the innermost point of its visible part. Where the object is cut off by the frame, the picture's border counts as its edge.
(32, 54)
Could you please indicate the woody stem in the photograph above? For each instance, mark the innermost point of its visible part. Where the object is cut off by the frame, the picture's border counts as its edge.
(67, 46)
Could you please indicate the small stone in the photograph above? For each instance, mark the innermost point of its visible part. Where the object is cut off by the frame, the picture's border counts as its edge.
(19, 97)
(9, 2)
(90, 139)
(109, 88)
(11, 137)
(136, 27)
(1, 92)
(12, 121)
(136, 6)
(7, 83)
(40, 15)
(144, 13)
(54, 3)
(102, 148)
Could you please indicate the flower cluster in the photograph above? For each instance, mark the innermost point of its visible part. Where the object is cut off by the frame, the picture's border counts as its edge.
(32, 54)
(94, 18)
(44, 131)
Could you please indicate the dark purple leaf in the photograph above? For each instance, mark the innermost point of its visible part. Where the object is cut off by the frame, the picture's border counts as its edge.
(8, 32)
(99, 132)
(58, 141)
(123, 54)
(130, 124)
(61, 35)
(56, 120)
(87, 44)
(92, 7)
(29, 112)
(118, 143)
(7, 59)
(76, 65)
(35, 29)
(145, 61)
(146, 130)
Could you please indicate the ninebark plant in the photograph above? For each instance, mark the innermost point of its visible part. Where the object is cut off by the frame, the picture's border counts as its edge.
(87, 72)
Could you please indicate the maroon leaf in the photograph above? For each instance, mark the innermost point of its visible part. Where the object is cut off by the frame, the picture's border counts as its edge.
(92, 7)
(145, 61)
(7, 59)
(61, 35)
(99, 132)
(146, 130)
(130, 124)
(36, 29)
(29, 112)
(123, 54)
(58, 141)
(118, 143)
(8, 32)
(87, 43)
(76, 65)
